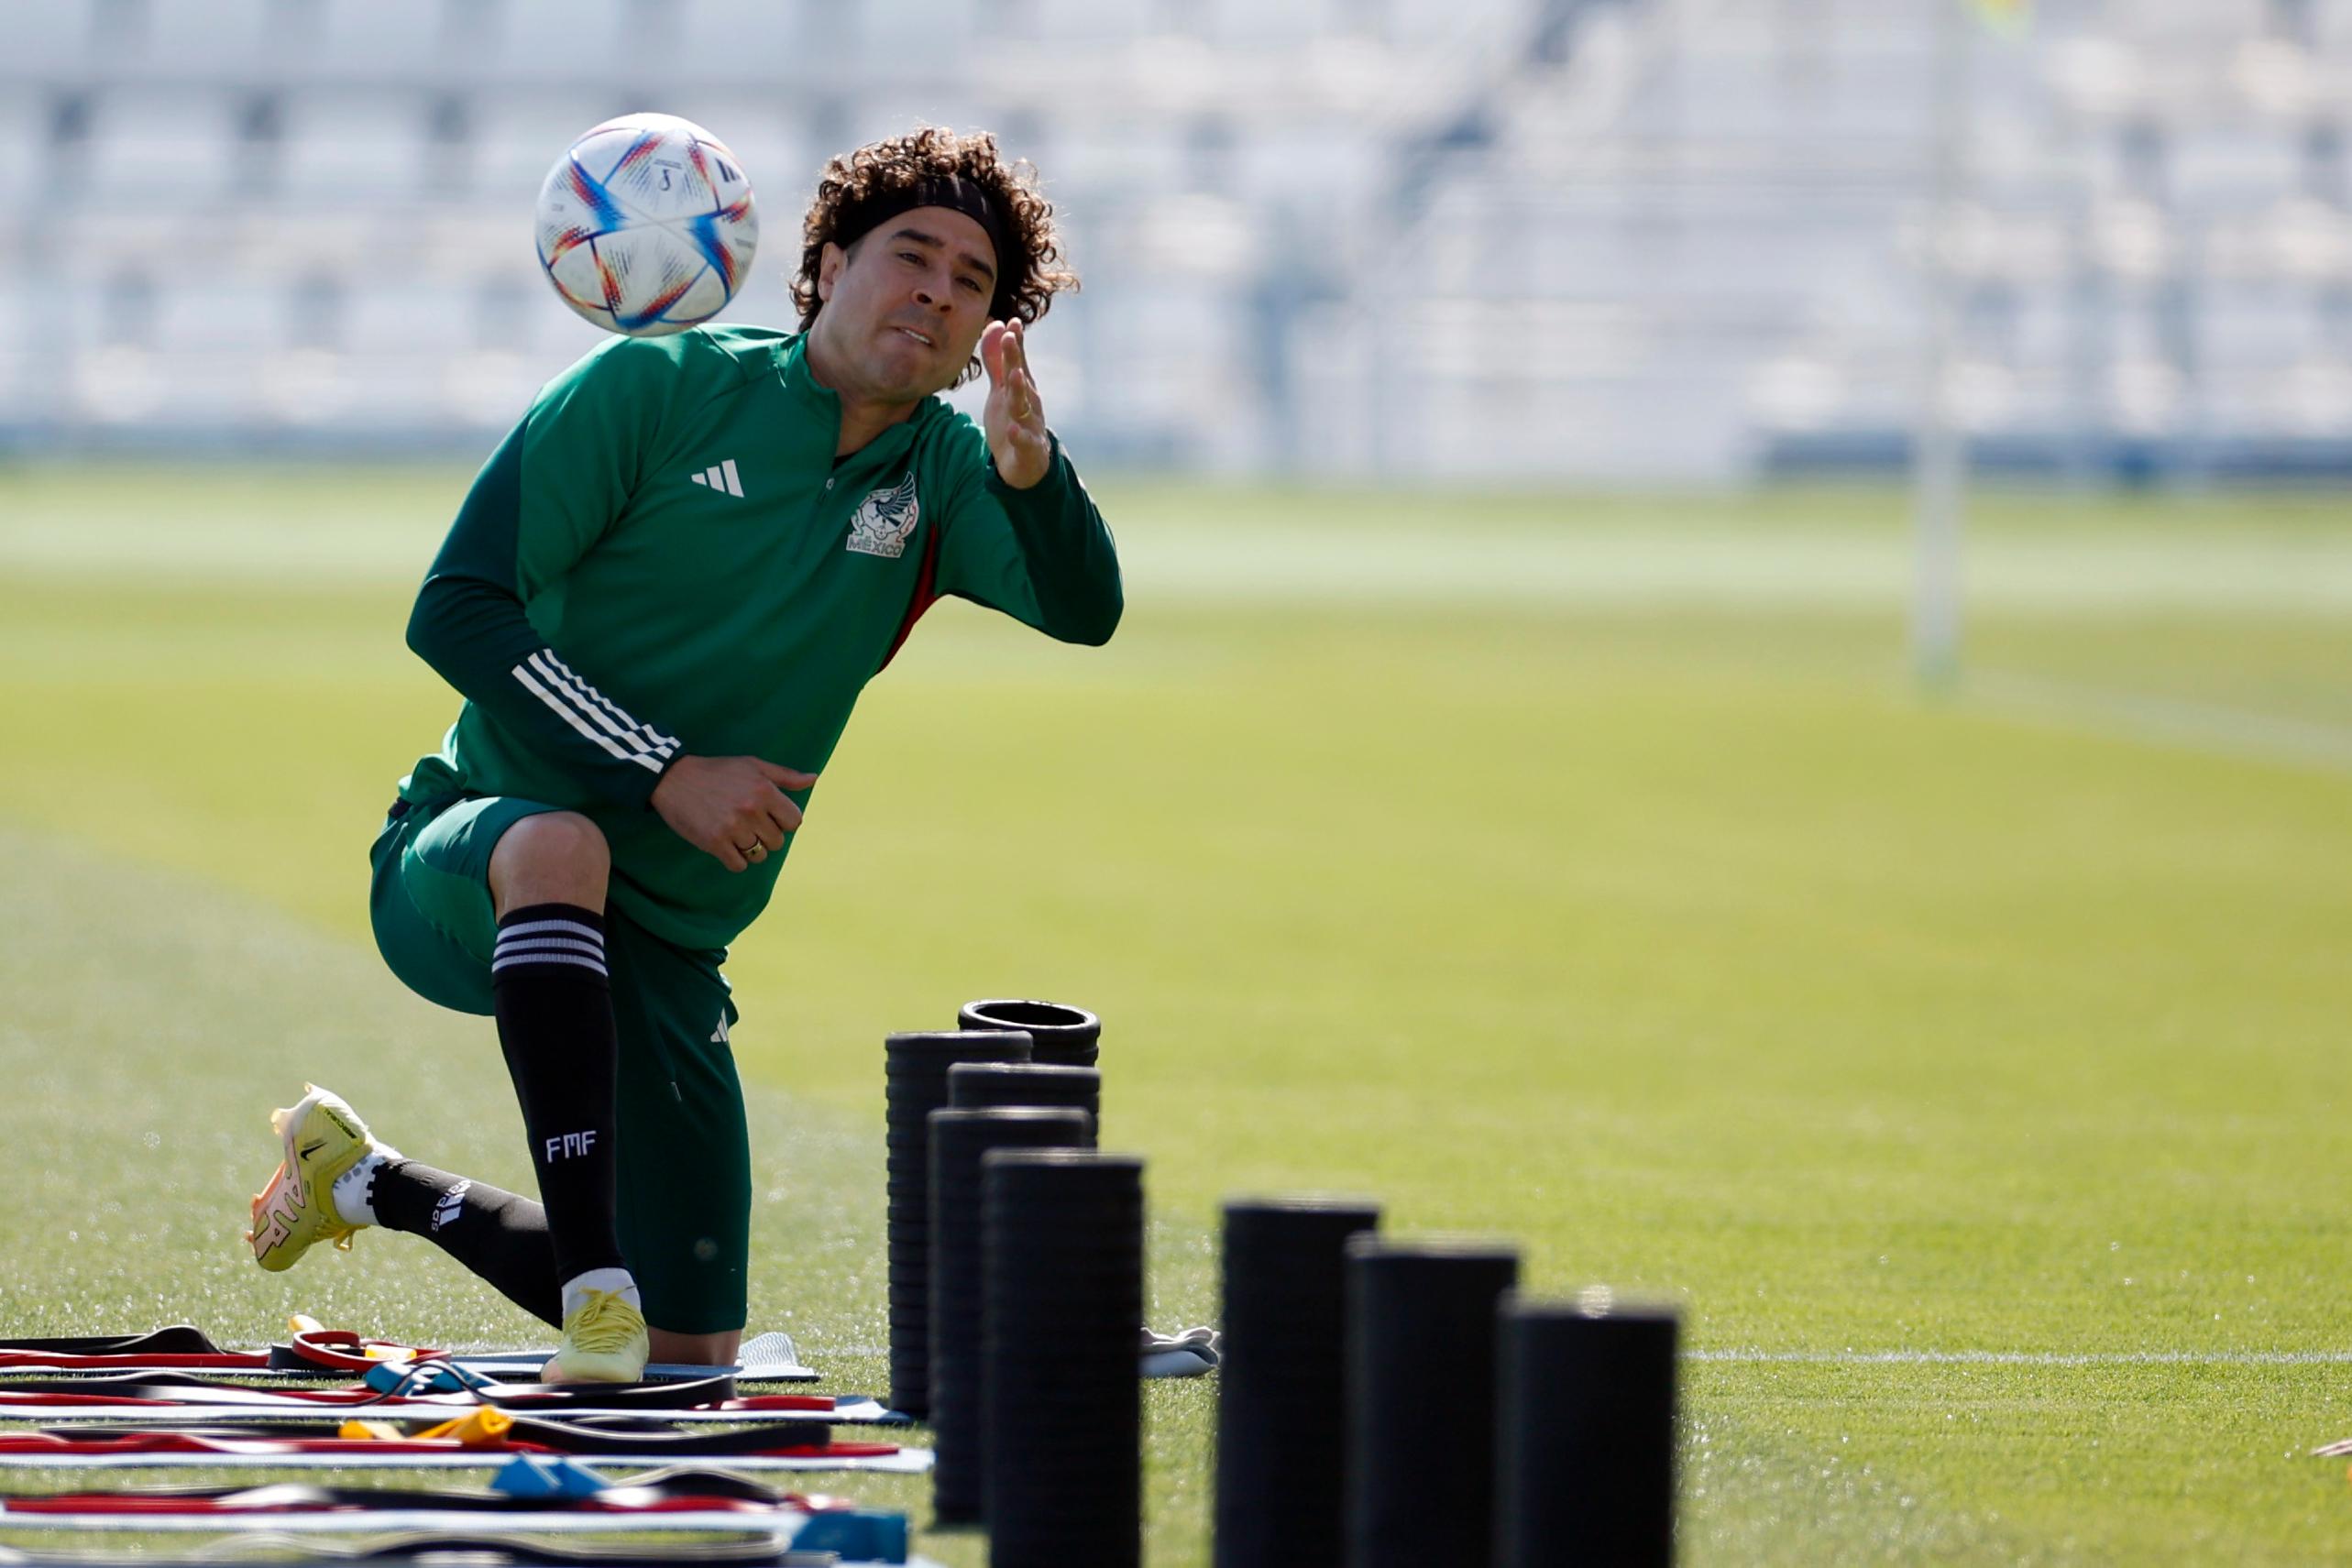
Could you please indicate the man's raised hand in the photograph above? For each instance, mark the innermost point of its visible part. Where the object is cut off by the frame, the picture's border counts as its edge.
(731, 808)
(1014, 417)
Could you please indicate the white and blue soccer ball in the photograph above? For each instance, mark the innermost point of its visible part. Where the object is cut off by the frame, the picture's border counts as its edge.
(646, 227)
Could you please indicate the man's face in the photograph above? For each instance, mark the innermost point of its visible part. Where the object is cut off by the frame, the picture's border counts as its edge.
(904, 306)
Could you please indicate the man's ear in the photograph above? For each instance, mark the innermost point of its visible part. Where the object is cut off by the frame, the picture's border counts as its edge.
(830, 262)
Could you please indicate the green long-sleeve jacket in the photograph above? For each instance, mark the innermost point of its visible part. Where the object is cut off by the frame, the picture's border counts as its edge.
(665, 559)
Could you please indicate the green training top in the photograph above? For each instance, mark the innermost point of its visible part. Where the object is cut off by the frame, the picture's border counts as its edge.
(665, 559)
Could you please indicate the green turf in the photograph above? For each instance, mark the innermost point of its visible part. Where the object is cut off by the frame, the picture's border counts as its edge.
(1577, 872)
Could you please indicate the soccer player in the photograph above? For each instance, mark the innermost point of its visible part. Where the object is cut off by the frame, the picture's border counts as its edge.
(660, 601)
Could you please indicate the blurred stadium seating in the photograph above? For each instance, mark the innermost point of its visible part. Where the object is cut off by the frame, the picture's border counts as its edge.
(1610, 239)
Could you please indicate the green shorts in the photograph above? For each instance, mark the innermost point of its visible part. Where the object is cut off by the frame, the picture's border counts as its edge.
(685, 1166)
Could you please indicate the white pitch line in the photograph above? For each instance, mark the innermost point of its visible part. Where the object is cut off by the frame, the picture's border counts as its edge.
(2026, 1357)
(2211, 727)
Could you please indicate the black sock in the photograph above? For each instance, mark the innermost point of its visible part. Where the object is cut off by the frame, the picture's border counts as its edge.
(498, 1236)
(553, 1001)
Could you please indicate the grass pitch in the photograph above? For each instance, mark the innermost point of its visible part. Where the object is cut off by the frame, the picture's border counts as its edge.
(1579, 872)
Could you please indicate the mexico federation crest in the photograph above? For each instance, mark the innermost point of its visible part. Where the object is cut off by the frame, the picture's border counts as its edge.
(885, 520)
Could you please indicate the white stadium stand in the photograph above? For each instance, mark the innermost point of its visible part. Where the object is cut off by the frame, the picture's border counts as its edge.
(48, 41)
(25, 167)
(736, 30)
(564, 40)
(913, 38)
(1078, 23)
(1595, 238)
(175, 147)
(367, 39)
(519, 134)
(201, 39)
(353, 146)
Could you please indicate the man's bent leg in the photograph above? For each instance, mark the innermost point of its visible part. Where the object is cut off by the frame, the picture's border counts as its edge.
(551, 991)
(437, 921)
(500, 1235)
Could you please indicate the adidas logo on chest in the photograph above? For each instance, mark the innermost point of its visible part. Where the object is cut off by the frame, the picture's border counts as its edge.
(720, 476)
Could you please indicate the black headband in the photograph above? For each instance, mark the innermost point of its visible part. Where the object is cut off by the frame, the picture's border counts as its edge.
(966, 196)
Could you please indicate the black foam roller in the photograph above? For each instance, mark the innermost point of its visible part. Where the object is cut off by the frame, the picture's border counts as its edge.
(972, 1085)
(1281, 1377)
(1421, 1360)
(959, 1139)
(1585, 1444)
(1063, 1294)
(1065, 1036)
(915, 1071)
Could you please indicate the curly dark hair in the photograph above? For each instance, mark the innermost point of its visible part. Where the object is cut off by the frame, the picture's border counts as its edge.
(1026, 280)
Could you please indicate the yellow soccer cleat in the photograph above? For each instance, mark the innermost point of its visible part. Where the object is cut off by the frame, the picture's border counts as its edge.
(604, 1342)
(322, 1137)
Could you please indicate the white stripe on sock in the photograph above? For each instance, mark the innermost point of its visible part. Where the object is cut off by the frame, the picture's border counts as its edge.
(507, 948)
(596, 964)
(537, 928)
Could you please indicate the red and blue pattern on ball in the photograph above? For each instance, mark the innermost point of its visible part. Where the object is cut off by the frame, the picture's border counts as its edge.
(705, 229)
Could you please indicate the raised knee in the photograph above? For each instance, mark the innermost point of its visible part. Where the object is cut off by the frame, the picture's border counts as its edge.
(560, 840)
(554, 856)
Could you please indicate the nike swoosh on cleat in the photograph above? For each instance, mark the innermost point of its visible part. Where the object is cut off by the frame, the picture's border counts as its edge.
(310, 1150)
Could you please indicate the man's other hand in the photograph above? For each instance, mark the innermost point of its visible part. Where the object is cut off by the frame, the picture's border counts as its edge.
(1015, 415)
(731, 808)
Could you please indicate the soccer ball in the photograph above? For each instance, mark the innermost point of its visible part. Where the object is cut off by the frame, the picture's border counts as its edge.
(646, 227)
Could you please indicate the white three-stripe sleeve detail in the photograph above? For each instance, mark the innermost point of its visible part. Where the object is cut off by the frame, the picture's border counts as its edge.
(639, 737)
(553, 670)
(565, 711)
(630, 730)
(580, 688)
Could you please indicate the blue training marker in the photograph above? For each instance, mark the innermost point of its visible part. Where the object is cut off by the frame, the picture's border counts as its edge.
(546, 1476)
(866, 1535)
